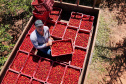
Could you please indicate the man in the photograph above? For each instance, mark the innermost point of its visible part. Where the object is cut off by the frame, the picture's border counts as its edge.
(40, 38)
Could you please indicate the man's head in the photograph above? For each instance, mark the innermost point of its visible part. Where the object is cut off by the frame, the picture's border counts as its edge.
(38, 23)
(39, 26)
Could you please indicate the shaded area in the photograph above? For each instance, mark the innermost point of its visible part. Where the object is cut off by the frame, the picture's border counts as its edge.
(119, 8)
(117, 62)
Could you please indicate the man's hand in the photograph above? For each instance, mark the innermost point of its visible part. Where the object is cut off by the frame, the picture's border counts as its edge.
(51, 38)
(49, 43)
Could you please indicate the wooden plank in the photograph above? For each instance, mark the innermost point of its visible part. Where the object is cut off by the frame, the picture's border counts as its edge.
(94, 3)
(78, 2)
(73, 7)
(64, 21)
(60, 1)
(67, 7)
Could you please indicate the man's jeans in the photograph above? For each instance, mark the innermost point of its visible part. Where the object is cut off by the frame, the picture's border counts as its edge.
(46, 51)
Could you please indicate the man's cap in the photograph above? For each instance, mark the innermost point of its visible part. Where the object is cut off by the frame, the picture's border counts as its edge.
(38, 23)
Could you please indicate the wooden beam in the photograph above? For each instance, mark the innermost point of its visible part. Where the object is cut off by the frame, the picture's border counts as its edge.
(94, 3)
(78, 2)
(60, 1)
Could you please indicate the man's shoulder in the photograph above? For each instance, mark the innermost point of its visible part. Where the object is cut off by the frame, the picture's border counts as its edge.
(46, 28)
(33, 35)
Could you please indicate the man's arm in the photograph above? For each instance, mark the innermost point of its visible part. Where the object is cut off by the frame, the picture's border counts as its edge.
(35, 42)
(36, 45)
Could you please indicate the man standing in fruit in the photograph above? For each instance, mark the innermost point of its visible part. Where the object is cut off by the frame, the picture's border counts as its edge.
(40, 38)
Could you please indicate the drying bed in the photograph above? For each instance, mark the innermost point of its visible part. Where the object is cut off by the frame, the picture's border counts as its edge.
(19, 61)
(26, 45)
(66, 68)
(59, 30)
(61, 47)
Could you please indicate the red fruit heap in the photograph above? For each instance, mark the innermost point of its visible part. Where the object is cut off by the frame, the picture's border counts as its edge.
(36, 82)
(70, 33)
(71, 76)
(56, 73)
(86, 22)
(82, 39)
(54, 15)
(61, 48)
(31, 29)
(86, 25)
(78, 57)
(56, 12)
(59, 30)
(43, 70)
(31, 65)
(23, 80)
(75, 19)
(19, 61)
(51, 26)
(26, 44)
(10, 78)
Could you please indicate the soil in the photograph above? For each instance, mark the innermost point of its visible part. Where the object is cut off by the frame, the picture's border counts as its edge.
(114, 72)
(16, 25)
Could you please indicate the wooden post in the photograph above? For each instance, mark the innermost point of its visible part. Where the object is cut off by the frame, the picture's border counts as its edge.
(94, 3)
(78, 2)
(60, 1)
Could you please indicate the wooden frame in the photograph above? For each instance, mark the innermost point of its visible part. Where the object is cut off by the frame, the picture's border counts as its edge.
(77, 2)
(67, 7)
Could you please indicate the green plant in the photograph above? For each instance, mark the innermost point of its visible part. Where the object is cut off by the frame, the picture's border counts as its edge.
(2, 61)
(13, 6)
(4, 37)
(102, 52)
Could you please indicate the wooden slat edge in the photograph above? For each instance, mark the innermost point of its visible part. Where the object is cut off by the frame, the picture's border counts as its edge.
(76, 5)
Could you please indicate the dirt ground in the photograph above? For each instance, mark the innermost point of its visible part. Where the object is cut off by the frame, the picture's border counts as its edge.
(114, 73)
(16, 25)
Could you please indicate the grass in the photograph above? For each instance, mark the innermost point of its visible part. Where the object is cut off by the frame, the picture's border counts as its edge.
(101, 50)
(101, 53)
(2, 61)
(4, 48)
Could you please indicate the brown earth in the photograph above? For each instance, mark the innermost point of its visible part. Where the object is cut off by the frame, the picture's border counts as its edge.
(16, 26)
(113, 72)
